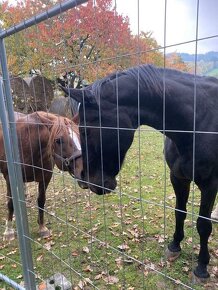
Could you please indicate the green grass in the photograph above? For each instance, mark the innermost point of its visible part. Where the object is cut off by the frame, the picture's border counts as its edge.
(88, 230)
(213, 73)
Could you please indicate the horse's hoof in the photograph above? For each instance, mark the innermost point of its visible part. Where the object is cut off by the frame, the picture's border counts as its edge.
(45, 233)
(201, 275)
(172, 256)
(8, 236)
(200, 280)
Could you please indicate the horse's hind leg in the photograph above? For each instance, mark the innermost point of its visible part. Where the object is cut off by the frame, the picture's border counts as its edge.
(181, 188)
(9, 233)
(43, 230)
(204, 227)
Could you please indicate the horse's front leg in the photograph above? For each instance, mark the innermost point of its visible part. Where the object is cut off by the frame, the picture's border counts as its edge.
(181, 188)
(9, 233)
(43, 230)
(204, 227)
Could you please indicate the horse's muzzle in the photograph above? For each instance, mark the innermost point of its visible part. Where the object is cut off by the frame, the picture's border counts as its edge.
(109, 185)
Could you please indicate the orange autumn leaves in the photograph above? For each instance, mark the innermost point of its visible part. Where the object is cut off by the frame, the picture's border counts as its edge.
(92, 39)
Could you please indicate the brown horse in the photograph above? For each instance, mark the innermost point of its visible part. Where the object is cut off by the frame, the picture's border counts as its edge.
(44, 140)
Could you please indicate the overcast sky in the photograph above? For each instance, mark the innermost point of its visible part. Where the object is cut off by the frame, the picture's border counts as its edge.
(181, 21)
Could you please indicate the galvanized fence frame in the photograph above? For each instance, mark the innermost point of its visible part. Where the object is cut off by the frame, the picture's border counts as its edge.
(11, 145)
(8, 125)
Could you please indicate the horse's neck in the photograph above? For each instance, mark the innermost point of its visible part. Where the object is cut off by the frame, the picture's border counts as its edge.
(165, 111)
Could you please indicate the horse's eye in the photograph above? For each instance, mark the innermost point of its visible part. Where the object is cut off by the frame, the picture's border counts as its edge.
(59, 141)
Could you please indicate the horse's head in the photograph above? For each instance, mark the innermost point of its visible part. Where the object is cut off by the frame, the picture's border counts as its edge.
(64, 144)
(103, 145)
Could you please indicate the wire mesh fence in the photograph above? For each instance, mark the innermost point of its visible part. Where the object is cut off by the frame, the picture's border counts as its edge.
(111, 241)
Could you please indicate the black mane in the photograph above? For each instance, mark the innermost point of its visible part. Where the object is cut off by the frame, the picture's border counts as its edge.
(152, 79)
(147, 76)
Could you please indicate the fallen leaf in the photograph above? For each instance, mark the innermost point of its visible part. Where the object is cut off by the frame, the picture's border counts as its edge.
(119, 262)
(185, 269)
(86, 250)
(48, 245)
(11, 253)
(98, 277)
(39, 258)
(110, 280)
(123, 247)
(75, 254)
(88, 269)
(81, 284)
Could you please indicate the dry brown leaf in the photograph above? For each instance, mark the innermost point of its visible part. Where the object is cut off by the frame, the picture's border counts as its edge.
(86, 250)
(48, 245)
(75, 254)
(39, 258)
(81, 284)
(161, 239)
(215, 271)
(123, 247)
(88, 269)
(115, 234)
(98, 277)
(119, 262)
(11, 253)
(110, 280)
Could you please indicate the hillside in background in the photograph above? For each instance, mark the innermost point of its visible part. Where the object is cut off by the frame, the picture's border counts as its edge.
(207, 64)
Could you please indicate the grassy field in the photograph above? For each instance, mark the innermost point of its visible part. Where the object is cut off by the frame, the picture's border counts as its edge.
(213, 73)
(116, 241)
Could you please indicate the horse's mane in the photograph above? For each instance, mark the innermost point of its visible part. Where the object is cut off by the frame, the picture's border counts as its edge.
(58, 127)
(147, 76)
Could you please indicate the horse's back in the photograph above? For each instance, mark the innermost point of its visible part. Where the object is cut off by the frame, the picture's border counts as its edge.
(33, 136)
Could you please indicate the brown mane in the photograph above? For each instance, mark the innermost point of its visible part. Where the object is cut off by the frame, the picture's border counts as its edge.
(59, 127)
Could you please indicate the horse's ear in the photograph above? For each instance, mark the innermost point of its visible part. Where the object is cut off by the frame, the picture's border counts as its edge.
(46, 121)
(79, 94)
(76, 119)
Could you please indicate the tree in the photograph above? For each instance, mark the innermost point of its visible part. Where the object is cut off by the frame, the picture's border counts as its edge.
(92, 39)
(174, 60)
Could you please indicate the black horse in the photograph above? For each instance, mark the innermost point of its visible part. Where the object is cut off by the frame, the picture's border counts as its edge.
(182, 106)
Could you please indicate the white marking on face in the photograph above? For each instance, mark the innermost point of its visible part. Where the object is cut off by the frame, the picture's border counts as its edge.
(75, 139)
(71, 133)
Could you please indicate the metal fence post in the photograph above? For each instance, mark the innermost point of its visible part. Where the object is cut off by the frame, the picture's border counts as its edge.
(11, 144)
(15, 174)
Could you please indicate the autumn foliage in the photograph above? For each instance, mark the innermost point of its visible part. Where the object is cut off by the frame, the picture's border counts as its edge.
(92, 39)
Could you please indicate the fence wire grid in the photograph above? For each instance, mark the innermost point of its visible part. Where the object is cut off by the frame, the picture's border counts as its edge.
(113, 241)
